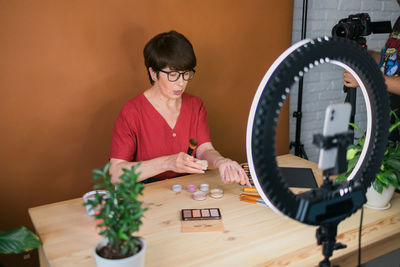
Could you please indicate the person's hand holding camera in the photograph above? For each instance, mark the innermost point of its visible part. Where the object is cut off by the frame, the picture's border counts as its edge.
(349, 80)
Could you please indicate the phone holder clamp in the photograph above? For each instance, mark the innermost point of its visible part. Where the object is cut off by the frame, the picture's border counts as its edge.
(341, 141)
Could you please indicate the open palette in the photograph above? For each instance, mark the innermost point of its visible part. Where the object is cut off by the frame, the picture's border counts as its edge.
(202, 220)
(201, 214)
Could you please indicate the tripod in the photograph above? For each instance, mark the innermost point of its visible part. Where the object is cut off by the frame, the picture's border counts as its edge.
(298, 146)
(351, 97)
(327, 231)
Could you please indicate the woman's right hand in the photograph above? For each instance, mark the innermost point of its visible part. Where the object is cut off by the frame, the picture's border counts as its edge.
(184, 163)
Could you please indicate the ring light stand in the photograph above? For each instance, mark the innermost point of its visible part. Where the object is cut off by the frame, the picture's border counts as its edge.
(328, 205)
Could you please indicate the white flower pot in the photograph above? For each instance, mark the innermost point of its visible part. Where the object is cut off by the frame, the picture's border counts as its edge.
(379, 201)
(136, 260)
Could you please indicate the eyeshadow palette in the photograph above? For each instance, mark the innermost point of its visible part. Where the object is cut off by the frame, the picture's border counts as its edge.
(201, 214)
(246, 169)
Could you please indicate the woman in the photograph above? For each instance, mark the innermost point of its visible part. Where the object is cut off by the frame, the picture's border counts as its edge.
(155, 126)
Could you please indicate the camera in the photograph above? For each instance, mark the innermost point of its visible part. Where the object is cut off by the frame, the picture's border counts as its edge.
(358, 25)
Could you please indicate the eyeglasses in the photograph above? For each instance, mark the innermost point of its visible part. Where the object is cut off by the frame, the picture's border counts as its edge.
(173, 76)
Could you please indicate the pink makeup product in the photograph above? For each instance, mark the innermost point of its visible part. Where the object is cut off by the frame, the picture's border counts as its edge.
(216, 193)
(191, 188)
(199, 195)
(201, 214)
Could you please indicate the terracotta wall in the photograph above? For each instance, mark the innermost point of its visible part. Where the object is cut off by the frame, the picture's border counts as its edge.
(67, 67)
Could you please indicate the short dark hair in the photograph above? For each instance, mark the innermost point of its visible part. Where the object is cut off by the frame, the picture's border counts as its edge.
(169, 49)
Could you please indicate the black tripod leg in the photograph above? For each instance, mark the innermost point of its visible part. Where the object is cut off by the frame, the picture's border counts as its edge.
(351, 98)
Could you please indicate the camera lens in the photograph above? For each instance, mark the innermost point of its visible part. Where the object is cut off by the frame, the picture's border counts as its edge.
(341, 30)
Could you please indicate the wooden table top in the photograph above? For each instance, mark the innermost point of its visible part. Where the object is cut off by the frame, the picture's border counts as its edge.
(254, 235)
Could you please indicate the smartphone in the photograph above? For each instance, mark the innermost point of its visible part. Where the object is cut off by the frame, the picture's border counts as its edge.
(337, 118)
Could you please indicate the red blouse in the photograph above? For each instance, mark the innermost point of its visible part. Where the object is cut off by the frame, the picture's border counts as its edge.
(141, 133)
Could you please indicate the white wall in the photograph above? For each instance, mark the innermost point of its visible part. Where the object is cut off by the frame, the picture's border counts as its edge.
(324, 85)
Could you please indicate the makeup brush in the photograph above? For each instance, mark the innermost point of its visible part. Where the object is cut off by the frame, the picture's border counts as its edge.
(250, 190)
(250, 200)
(192, 146)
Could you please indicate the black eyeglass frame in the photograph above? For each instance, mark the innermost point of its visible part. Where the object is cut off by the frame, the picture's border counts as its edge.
(180, 74)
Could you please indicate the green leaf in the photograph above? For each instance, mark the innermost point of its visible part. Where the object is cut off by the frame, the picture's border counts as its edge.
(123, 236)
(107, 167)
(352, 163)
(378, 186)
(341, 178)
(351, 152)
(392, 179)
(361, 141)
(394, 126)
(357, 129)
(382, 177)
(393, 163)
(99, 186)
(393, 113)
(125, 250)
(17, 241)
(98, 172)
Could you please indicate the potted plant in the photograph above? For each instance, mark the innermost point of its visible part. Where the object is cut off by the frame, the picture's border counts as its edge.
(18, 240)
(119, 215)
(388, 177)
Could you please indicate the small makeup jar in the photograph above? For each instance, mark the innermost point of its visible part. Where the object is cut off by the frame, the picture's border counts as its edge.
(191, 188)
(199, 195)
(216, 193)
(176, 188)
(204, 187)
(91, 196)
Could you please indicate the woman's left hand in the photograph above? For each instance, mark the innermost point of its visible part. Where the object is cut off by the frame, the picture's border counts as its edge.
(232, 173)
(349, 80)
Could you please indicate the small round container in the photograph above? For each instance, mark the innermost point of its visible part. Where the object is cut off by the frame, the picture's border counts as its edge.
(204, 187)
(191, 188)
(177, 188)
(216, 193)
(92, 195)
(199, 195)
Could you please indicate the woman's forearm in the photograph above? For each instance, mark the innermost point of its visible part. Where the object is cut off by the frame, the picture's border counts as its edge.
(375, 55)
(179, 163)
(393, 84)
(147, 168)
(213, 158)
(207, 152)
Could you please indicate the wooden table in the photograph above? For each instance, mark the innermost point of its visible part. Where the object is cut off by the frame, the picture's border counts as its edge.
(254, 235)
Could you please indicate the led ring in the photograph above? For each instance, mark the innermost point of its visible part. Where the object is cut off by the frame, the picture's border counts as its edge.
(265, 110)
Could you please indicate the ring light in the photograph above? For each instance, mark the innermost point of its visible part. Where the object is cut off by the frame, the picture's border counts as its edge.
(317, 206)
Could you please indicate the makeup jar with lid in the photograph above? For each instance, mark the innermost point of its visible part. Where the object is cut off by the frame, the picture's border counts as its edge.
(191, 188)
(216, 193)
(204, 187)
(199, 195)
(91, 196)
(176, 188)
